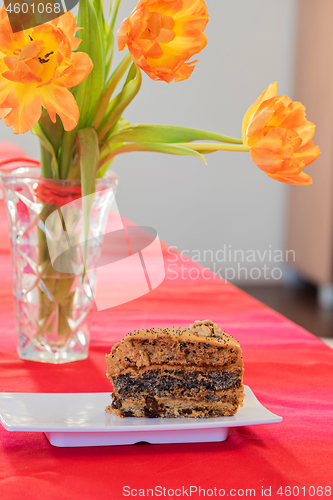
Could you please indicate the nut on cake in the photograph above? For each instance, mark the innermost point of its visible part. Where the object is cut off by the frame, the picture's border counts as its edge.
(176, 372)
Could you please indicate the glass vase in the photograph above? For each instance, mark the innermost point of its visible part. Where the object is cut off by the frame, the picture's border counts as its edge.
(53, 309)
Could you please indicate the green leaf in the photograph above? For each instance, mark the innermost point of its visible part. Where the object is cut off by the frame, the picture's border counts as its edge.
(88, 92)
(131, 75)
(121, 101)
(109, 35)
(167, 134)
(98, 6)
(121, 124)
(103, 102)
(87, 145)
(53, 131)
(109, 49)
(118, 126)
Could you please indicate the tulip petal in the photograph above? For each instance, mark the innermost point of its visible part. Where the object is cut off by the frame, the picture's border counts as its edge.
(301, 179)
(4, 112)
(307, 154)
(287, 150)
(306, 131)
(6, 87)
(27, 112)
(279, 103)
(185, 71)
(122, 35)
(29, 51)
(190, 45)
(272, 139)
(296, 117)
(191, 9)
(260, 122)
(80, 67)
(22, 74)
(59, 100)
(9, 41)
(290, 168)
(155, 51)
(270, 92)
(266, 160)
(66, 22)
(279, 116)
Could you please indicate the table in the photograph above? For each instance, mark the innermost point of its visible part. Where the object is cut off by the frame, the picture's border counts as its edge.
(289, 370)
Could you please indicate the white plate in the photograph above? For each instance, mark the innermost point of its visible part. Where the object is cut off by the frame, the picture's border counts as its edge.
(80, 420)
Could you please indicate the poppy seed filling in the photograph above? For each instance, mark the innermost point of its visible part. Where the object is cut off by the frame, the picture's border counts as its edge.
(162, 383)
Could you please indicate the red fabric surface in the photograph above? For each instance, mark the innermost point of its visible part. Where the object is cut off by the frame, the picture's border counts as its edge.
(289, 370)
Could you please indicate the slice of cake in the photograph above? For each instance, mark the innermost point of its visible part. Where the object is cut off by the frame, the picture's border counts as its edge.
(176, 372)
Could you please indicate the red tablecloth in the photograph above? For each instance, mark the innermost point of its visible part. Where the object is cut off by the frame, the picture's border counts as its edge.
(289, 370)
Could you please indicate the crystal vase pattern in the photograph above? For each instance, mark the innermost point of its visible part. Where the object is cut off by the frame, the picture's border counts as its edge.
(53, 309)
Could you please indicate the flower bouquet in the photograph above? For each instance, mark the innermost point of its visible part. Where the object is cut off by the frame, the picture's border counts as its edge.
(57, 80)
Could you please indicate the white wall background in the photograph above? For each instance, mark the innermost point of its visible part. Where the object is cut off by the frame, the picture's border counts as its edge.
(230, 202)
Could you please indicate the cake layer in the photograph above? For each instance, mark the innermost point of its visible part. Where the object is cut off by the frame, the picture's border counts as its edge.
(161, 381)
(154, 407)
(174, 346)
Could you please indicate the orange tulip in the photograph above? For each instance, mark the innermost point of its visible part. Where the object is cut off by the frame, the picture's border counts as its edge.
(279, 137)
(37, 66)
(162, 35)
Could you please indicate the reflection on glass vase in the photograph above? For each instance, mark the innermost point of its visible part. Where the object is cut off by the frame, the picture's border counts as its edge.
(53, 309)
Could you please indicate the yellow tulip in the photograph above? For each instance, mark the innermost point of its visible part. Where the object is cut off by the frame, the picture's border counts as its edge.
(279, 137)
(162, 35)
(37, 67)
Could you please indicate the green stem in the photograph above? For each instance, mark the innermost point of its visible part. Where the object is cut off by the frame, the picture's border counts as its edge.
(203, 148)
(209, 147)
(45, 163)
(68, 143)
